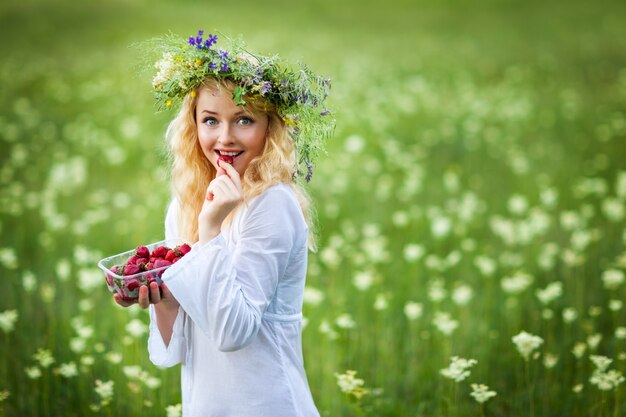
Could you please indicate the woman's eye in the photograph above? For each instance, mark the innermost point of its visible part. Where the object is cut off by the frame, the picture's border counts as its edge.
(210, 121)
(245, 121)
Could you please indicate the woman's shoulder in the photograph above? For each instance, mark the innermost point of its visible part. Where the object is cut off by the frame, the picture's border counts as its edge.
(277, 200)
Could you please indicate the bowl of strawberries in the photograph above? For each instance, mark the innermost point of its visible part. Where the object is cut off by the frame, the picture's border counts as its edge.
(126, 272)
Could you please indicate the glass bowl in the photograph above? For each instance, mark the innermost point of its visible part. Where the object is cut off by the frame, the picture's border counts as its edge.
(127, 286)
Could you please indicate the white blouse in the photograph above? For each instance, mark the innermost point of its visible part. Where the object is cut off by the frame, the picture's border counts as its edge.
(238, 333)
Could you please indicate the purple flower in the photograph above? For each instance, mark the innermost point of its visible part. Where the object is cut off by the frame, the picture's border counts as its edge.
(192, 41)
(224, 67)
(200, 32)
(212, 39)
(265, 88)
(212, 65)
(223, 55)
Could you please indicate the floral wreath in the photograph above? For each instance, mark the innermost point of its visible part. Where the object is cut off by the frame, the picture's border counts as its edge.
(299, 95)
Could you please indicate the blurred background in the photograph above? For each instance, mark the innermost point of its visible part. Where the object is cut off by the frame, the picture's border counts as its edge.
(471, 204)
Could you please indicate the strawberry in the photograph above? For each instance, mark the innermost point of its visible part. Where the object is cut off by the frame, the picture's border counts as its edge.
(131, 270)
(225, 158)
(142, 252)
(170, 255)
(160, 263)
(183, 249)
(160, 252)
(132, 284)
(141, 263)
(149, 266)
(132, 260)
(176, 260)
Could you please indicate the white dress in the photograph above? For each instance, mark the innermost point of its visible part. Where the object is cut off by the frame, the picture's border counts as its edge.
(238, 333)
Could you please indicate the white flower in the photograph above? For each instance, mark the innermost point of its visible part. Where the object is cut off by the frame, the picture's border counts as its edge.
(526, 343)
(579, 349)
(553, 291)
(444, 323)
(104, 390)
(612, 278)
(363, 280)
(7, 320)
(174, 410)
(381, 302)
(33, 372)
(550, 360)
(152, 382)
(517, 204)
(620, 333)
(354, 144)
(136, 328)
(326, 328)
(604, 379)
(594, 340)
(613, 209)
(462, 294)
(440, 226)
(615, 305)
(481, 393)
(486, 265)
(68, 370)
(347, 382)
(436, 291)
(413, 310)
(8, 258)
(413, 252)
(114, 357)
(601, 362)
(345, 321)
(517, 283)
(569, 314)
(458, 369)
(44, 357)
(313, 296)
(29, 281)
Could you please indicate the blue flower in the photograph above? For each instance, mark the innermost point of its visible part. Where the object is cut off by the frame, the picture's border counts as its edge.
(223, 55)
(212, 40)
(192, 41)
(224, 67)
(265, 88)
(212, 65)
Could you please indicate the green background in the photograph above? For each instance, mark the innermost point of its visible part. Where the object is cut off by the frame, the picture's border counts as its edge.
(467, 133)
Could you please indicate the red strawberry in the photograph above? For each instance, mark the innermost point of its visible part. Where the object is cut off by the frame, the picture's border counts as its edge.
(149, 266)
(132, 284)
(141, 263)
(170, 255)
(159, 252)
(176, 260)
(160, 263)
(115, 269)
(183, 249)
(142, 252)
(131, 270)
(132, 260)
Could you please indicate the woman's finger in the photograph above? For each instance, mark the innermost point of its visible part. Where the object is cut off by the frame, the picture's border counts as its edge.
(232, 174)
(123, 301)
(155, 295)
(143, 300)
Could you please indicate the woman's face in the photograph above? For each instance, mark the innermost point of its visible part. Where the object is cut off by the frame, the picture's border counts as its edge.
(228, 130)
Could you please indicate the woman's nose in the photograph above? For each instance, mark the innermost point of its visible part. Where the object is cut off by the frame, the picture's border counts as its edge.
(226, 134)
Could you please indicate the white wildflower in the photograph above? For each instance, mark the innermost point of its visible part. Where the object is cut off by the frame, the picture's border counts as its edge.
(413, 252)
(569, 315)
(7, 320)
(615, 305)
(553, 291)
(526, 343)
(620, 332)
(104, 391)
(381, 302)
(436, 291)
(517, 204)
(363, 280)
(612, 278)
(8, 258)
(44, 357)
(579, 349)
(485, 264)
(413, 310)
(114, 357)
(136, 328)
(462, 294)
(68, 370)
(174, 410)
(445, 324)
(441, 226)
(516, 284)
(354, 144)
(29, 281)
(594, 340)
(345, 321)
(326, 329)
(33, 372)
(550, 360)
(458, 369)
(313, 296)
(481, 393)
(613, 209)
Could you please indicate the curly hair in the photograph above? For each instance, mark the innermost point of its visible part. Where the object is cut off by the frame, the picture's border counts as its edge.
(191, 172)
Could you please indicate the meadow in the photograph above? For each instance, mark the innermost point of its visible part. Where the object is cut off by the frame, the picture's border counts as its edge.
(470, 208)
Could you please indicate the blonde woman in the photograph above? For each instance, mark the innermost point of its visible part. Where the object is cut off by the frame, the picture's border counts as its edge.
(230, 310)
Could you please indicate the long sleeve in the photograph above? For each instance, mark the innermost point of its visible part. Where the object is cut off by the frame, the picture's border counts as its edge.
(226, 290)
(174, 352)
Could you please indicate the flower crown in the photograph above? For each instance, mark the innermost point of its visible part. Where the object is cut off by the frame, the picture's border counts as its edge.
(298, 94)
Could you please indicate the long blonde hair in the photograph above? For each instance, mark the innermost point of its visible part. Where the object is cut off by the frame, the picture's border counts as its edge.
(191, 171)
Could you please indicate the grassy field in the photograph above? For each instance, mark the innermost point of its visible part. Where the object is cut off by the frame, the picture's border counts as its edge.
(475, 190)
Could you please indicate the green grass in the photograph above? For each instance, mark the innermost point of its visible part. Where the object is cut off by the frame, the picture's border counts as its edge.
(447, 113)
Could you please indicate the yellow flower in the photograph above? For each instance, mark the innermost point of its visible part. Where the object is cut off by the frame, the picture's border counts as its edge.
(288, 121)
(198, 62)
(193, 94)
(169, 103)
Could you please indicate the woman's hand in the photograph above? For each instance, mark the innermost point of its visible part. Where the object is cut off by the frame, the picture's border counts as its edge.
(223, 195)
(164, 298)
